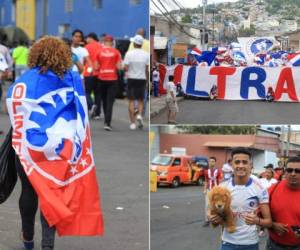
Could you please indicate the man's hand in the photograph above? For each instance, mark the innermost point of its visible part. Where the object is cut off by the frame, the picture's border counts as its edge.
(215, 219)
(280, 228)
(251, 219)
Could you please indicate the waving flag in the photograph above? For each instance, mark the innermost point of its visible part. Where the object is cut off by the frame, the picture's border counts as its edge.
(294, 59)
(51, 135)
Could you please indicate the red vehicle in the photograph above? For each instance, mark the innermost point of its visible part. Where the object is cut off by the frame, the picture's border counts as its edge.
(175, 170)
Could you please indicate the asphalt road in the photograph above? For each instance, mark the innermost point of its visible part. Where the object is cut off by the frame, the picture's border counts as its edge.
(122, 170)
(176, 221)
(233, 112)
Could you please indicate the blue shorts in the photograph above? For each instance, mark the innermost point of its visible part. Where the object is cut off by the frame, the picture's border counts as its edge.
(229, 246)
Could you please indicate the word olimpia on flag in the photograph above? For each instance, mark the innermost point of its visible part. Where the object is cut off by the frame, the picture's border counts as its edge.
(51, 136)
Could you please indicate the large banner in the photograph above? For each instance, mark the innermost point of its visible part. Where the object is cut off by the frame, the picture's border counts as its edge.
(252, 46)
(236, 83)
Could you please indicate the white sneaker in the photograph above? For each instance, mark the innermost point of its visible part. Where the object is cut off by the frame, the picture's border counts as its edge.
(132, 126)
(139, 120)
(107, 128)
(98, 117)
(93, 110)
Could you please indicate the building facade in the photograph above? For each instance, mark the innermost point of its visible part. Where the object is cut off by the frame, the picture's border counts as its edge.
(59, 17)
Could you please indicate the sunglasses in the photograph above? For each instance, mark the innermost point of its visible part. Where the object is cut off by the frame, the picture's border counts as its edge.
(291, 170)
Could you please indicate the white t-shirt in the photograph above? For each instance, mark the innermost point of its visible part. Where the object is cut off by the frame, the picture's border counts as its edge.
(245, 199)
(170, 87)
(227, 171)
(137, 60)
(155, 76)
(81, 53)
(267, 183)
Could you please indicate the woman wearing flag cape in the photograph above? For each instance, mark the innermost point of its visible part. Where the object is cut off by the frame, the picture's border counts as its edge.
(51, 137)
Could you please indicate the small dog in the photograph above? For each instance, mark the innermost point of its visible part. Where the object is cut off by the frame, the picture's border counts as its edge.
(219, 203)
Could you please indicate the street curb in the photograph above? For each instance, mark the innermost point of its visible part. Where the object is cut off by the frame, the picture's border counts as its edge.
(154, 113)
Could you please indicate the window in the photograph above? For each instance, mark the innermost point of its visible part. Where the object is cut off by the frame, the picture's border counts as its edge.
(2, 13)
(97, 4)
(13, 12)
(176, 162)
(135, 2)
(62, 29)
(68, 5)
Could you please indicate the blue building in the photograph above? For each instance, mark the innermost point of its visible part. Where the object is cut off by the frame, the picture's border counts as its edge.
(120, 18)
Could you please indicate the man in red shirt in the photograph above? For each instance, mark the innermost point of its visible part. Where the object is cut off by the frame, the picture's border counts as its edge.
(285, 209)
(90, 75)
(108, 63)
(213, 177)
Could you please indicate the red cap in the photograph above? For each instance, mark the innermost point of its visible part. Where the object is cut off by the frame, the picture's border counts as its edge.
(108, 38)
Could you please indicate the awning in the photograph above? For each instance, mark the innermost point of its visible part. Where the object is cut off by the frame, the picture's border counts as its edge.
(160, 42)
(228, 144)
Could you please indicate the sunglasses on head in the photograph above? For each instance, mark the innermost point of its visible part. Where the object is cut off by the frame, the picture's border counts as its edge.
(291, 170)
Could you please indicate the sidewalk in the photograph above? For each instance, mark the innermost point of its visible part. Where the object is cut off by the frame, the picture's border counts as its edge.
(158, 105)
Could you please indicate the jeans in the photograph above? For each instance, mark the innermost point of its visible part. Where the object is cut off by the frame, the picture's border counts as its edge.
(229, 246)
(271, 245)
(155, 88)
(28, 205)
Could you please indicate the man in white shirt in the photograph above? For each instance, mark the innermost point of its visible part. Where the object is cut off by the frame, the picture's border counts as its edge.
(247, 196)
(227, 170)
(80, 52)
(155, 80)
(171, 101)
(136, 65)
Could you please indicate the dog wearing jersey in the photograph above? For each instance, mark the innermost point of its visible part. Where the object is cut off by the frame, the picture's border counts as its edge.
(220, 204)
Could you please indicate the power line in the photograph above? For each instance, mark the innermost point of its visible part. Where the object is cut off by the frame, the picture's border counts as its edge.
(173, 21)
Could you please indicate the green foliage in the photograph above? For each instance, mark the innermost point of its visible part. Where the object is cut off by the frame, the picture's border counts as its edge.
(222, 130)
(186, 19)
(247, 32)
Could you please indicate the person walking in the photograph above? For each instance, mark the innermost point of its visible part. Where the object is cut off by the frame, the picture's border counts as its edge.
(108, 62)
(60, 125)
(78, 50)
(90, 76)
(20, 57)
(136, 64)
(247, 195)
(285, 209)
(155, 79)
(171, 102)
(212, 177)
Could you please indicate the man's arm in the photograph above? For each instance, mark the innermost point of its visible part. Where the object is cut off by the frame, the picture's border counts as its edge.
(265, 221)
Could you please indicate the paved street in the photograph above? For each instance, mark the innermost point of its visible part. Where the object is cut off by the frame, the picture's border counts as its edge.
(177, 218)
(122, 169)
(233, 112)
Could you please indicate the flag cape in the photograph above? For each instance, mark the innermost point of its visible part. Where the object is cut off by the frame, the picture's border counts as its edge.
(51, 136)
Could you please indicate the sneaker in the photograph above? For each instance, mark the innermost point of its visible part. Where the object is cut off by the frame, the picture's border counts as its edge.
(93, 110)
(98, 117)
(205, 224)
(136, 111)
(132, 126)
(107, 128)
(28, 244)
(139, 120)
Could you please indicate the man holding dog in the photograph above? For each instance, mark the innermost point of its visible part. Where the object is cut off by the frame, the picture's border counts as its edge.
(285, 209)
(247, 197)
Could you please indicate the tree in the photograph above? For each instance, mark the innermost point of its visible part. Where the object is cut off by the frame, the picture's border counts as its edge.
(224, 130)
(247, 32)
(186, 19)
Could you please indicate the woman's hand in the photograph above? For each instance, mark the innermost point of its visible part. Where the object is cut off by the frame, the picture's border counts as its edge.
(251, 219)
(215, 219)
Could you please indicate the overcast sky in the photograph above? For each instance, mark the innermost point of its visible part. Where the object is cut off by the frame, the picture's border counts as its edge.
(186, 3)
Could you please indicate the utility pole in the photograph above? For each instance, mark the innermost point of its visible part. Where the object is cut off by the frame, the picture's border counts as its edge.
(288, 141)
(213, 37)
(204, 3)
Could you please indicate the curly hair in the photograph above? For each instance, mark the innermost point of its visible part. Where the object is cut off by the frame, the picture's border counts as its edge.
(50, 53)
